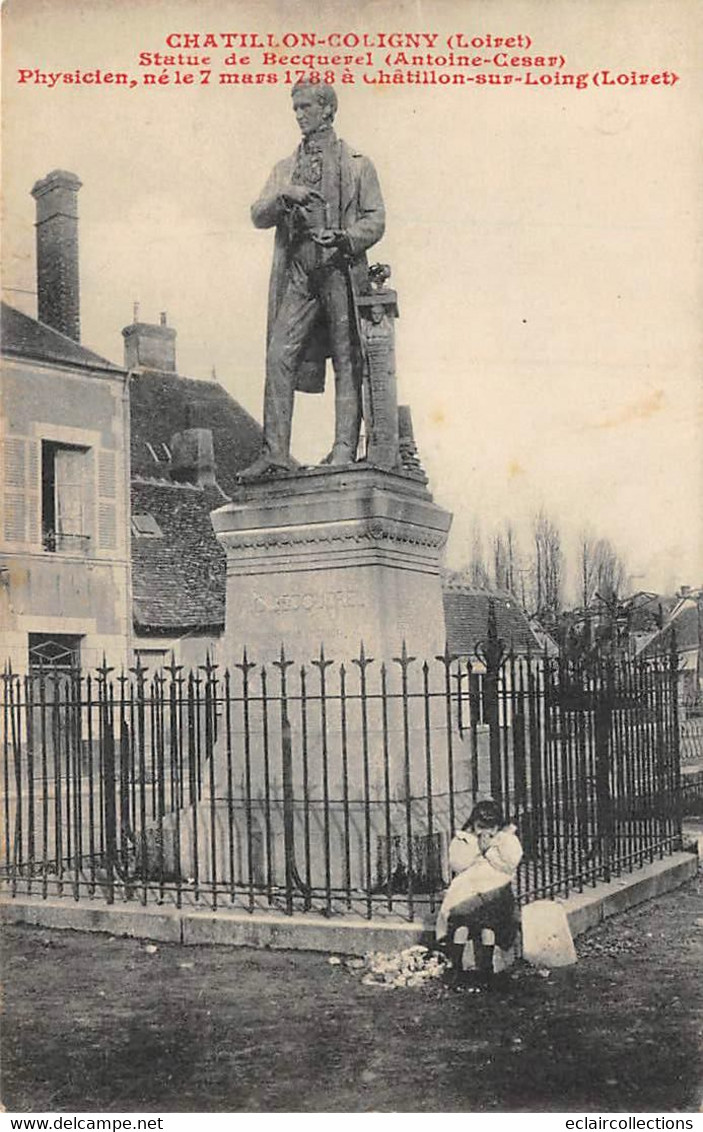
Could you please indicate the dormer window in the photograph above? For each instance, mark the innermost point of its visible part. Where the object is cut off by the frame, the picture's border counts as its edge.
(145, 526)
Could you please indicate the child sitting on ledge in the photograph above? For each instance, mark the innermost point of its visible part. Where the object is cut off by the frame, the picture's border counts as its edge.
(485, 855)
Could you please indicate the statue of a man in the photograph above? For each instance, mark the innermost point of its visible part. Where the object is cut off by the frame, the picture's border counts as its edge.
(326, 205)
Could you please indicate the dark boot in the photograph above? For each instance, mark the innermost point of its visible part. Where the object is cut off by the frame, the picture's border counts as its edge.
(455, 955)
(484, 964)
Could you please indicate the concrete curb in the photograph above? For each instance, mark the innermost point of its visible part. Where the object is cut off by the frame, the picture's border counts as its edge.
(350, 936)
(96, 916)
(585, 910)
(347, 936)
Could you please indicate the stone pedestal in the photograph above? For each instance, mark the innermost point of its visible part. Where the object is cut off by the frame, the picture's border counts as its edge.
(321, 766)
(333, 556)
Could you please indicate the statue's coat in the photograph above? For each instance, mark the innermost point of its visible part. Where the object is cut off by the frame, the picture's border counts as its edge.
(363, 218)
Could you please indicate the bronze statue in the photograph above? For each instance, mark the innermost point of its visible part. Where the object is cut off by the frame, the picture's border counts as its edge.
(326, 205)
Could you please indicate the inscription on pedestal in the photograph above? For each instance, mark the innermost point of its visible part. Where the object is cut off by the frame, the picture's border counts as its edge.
(331, 601)
(337, 557)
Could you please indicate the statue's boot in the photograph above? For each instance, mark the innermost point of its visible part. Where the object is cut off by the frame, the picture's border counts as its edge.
(340, 455)
(266, 465)
(347, 412)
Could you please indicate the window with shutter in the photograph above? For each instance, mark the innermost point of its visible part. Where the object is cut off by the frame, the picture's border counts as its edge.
(106, 474)
(14, 468)
(68, 489)
(65, 471)
(107, 493)
(32, 491)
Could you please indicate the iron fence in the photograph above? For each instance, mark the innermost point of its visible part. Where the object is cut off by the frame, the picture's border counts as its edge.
(692, 792)
(691, 737)
(333, 787)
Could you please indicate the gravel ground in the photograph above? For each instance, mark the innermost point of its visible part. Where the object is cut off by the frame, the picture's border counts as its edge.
(94, 1023)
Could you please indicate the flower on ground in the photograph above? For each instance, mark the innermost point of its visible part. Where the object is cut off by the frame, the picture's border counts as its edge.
(412, 967)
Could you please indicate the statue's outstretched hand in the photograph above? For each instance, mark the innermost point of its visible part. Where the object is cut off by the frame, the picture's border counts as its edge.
(332, 238)
(300, 194)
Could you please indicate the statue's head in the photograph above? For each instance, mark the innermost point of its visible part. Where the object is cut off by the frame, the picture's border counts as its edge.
(314, 105)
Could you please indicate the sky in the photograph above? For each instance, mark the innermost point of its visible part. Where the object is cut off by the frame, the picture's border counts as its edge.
(545, 241)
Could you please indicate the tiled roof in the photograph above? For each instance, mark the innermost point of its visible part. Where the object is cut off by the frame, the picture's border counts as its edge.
(165, 403)
(27, 338)
(643, 618)
(686, 621)
(466, 619)
(178, 580)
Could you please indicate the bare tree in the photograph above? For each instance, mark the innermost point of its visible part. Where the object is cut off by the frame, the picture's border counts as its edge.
(499, 562)
(603, 571)
(587, 565)
(504, 558)
(610, 571)
(511, 550)
(548, 566)
(478, 571)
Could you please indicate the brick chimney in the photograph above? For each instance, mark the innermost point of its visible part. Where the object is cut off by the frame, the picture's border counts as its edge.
(147, 346)
(193, 457)
(57, 252)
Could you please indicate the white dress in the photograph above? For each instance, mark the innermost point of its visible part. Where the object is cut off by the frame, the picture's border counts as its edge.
(478, 871)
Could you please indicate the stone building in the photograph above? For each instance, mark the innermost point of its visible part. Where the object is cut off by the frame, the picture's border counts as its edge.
(64, 428)
(109, 474)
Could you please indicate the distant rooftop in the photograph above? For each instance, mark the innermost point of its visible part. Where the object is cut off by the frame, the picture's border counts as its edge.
(25, 337)
(466, 618)
(178, 566)
(163, 404)
(686, 621)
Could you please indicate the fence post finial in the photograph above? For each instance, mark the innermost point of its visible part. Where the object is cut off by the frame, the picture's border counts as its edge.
(491, 650)
(404, 660)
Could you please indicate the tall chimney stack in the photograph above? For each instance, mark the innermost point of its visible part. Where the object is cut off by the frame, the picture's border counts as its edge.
(57, 252)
